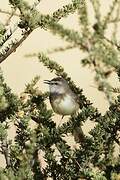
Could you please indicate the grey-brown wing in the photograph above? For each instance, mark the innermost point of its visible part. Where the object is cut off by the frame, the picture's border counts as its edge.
(75, 97)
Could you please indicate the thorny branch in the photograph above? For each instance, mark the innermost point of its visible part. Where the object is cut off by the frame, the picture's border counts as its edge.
(15, 46)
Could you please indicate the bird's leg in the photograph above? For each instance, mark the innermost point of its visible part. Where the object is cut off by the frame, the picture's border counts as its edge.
(61, 120)
(78, 133)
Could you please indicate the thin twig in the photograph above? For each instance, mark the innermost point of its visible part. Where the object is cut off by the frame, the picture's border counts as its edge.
(112, 43)
(7, 12)
(15, 46)
(10, 17)
(109, 14)
(59, 49)
(117, 20)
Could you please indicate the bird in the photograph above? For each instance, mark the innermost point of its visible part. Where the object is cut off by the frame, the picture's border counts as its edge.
(64, 102)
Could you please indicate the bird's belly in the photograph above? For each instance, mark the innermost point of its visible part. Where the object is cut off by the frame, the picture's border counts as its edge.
(65, 106)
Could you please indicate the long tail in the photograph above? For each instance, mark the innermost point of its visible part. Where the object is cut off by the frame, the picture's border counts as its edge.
(78, 134)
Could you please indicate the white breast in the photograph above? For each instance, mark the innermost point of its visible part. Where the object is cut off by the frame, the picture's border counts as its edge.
(65, 106)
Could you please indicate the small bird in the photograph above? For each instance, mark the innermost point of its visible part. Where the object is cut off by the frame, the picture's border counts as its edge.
(64, 101)
(62, 98)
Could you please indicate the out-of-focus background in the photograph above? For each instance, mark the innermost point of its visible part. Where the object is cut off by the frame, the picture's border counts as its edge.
(19, 70)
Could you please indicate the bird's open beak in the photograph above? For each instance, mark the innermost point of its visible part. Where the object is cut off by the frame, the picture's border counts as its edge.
(47, 81)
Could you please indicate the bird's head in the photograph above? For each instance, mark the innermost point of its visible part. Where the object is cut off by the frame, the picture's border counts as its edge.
(57, 85)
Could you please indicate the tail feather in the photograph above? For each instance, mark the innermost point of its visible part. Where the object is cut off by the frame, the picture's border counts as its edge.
(78, 134)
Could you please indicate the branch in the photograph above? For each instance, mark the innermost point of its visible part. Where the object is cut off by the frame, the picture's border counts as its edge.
(11, 15)
(112, 43)
(36, 3)
(60, 49)
(7, 12)
(109, 14)
(14, 46)
(8, 34)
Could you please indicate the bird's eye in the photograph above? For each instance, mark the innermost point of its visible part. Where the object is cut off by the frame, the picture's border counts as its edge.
(56, 83)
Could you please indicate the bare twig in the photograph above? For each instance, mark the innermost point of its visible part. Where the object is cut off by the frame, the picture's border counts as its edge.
(109, 14)
(10, 17)
(59, 49)
(7, 12)
(54, 50)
